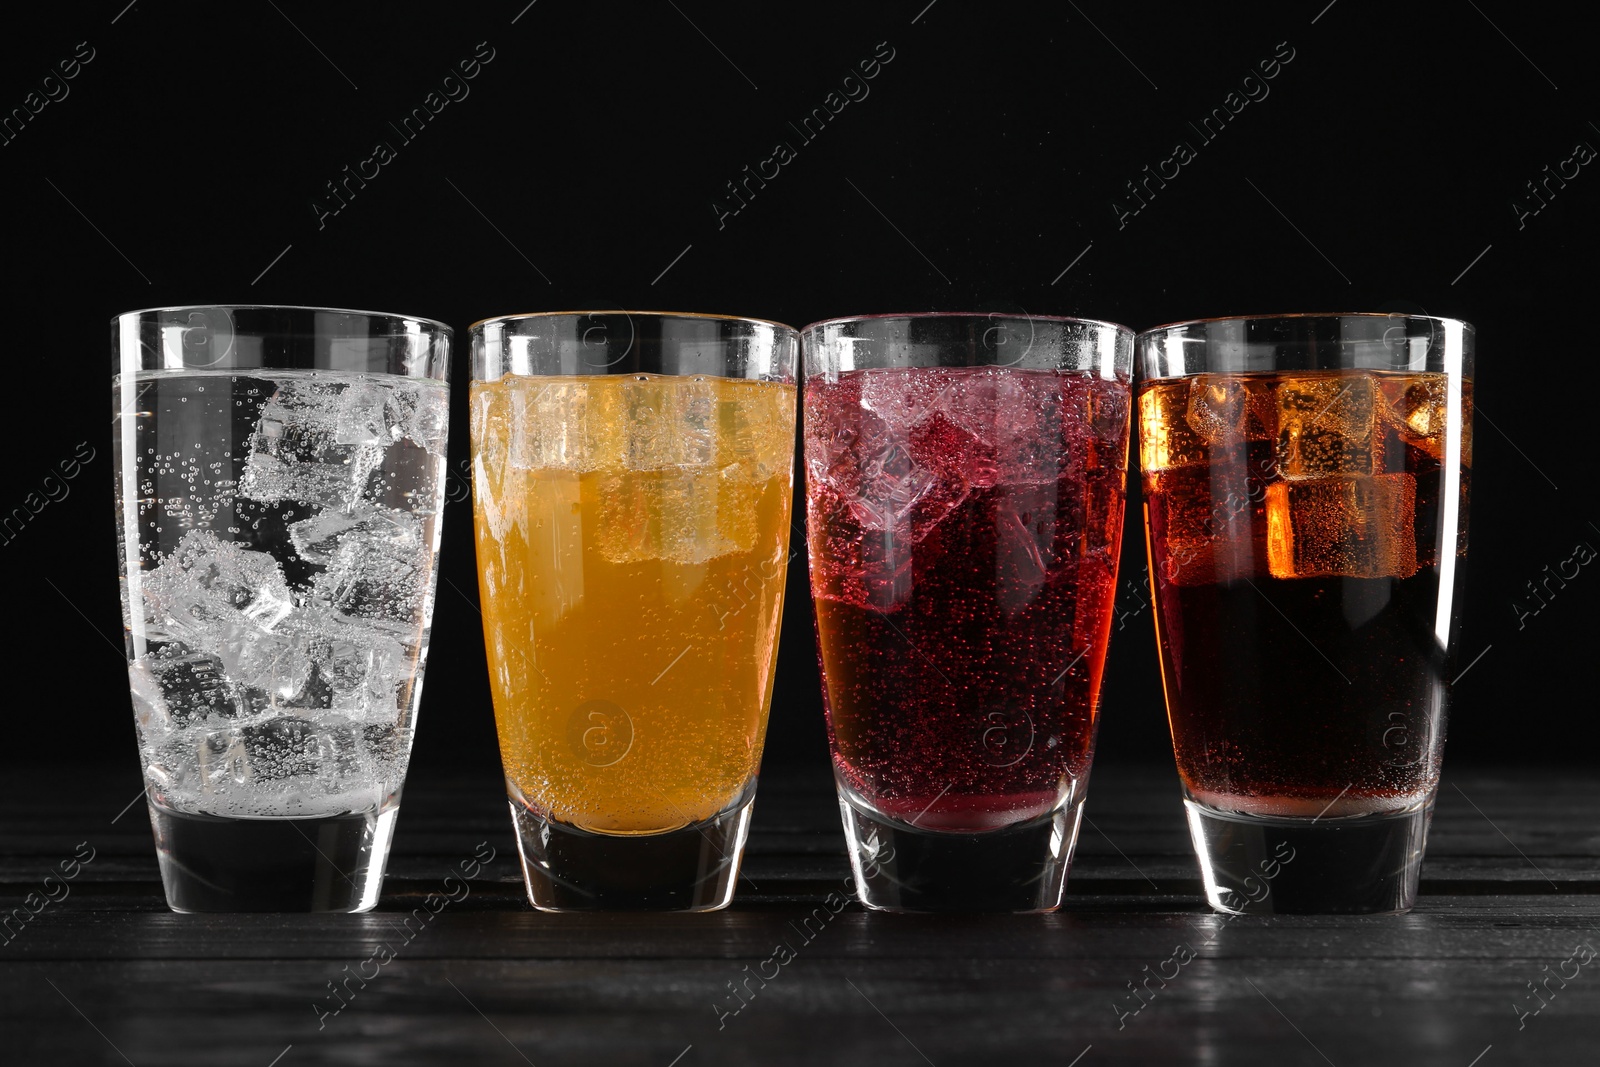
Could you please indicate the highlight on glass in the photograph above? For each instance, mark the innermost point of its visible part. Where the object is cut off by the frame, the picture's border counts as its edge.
(279, 485)
(1306, 482)
(965, 487)
(632, 480)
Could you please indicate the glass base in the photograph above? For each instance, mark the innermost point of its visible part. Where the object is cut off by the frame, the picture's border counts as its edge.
(213, 864)
(1021, 868)
(1269, 865)
(690, 869)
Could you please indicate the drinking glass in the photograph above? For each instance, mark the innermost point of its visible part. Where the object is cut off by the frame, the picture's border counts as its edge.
(279, 482)
(632, 475)
(965, 480)
(1306, 483)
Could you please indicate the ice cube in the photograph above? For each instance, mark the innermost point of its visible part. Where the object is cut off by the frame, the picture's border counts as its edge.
(650, 428)
(269, 479)
(628, 528)
(756, 423)
(1261, 409)
(365, 670)
(497, 487)
(1354, 527)
(1008, 425)
(558, 424)
(221, 758)
(837, 434)
(316, 443)
(274, 669)
(207, 588)
(1166, 439)
(952, 455)
(1417, 408)
(300, 419)
(290, 747)
(1183, 501)
(374, 559)
(681, 515)
(1217, 407)
(683, 509)
(1104, 407)
(1325, 425)
(149, 706)
(360, 418)
(966, 396)
(419, 413)
(1103, 506)
(320, 538)
(902, 399)
(738, 501)
(1028, 438)
(696, 417)
(890, 484)
(192, 685)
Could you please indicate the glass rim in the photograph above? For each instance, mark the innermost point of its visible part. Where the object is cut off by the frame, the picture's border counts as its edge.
(1326, 315)
(692, 315)
(392, 315)
(926, 315)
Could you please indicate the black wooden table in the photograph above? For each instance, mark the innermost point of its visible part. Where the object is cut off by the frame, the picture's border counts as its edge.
(1493, 967)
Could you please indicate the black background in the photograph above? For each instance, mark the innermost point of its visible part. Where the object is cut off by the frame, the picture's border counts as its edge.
(582, 169)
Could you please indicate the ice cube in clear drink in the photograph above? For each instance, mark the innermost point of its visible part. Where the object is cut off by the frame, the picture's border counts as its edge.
(296, 453)
(208, 587)
(359, 417)
(289, 747)
(188, 685)
(363, 665)
(371, 556)
(419, 416)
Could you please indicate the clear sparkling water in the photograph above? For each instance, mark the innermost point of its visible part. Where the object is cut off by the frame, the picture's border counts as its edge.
(279, 597)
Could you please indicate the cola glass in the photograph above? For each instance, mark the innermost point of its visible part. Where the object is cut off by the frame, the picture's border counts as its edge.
(1306, 483)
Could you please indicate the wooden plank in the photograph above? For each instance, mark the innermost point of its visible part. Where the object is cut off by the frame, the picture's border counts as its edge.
(1509, 896)
(1223, 1008)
